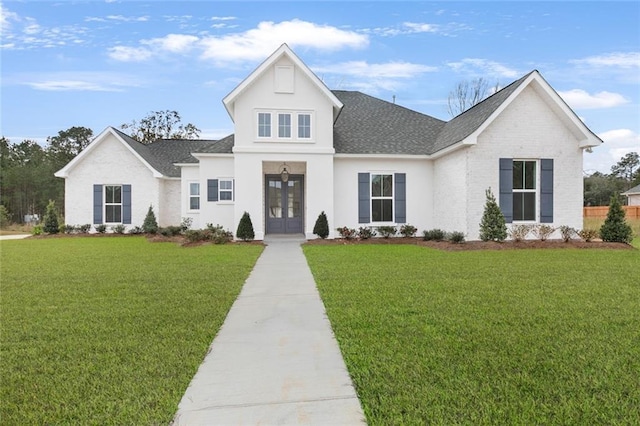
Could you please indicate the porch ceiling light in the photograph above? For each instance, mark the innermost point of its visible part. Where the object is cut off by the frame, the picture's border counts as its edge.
(284, 174)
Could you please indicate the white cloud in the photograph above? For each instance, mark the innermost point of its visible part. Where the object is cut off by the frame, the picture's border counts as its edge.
(616, 59)
(77, 81)
(254, 44)
(6, 18)
(71, 85)
(580, 99)
(420, 28)
(223, 18)
(617, 143)
(117, 18)
(129, 54)
(477, 66)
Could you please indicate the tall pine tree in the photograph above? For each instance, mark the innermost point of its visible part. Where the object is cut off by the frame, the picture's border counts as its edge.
(615, 228)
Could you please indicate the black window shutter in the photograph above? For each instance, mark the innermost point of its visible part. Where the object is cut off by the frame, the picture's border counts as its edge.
(546, 190)
(401, 197)
(97, 204)
(126, 204)
(364, 198)
(212, 190)
(506, 188)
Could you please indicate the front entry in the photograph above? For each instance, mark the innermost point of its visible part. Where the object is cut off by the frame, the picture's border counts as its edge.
(284, 204)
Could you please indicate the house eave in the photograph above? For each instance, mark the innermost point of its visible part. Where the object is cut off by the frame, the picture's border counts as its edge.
(345, 156)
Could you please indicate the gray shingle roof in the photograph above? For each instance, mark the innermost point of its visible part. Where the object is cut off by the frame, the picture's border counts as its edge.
(222, 146)
(634, 190)
(367, 125)
(163, 153)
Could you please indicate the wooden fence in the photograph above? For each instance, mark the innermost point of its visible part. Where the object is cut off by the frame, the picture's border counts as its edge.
(631, 212)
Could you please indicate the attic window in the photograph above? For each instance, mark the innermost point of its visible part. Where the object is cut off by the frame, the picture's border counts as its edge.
(283, 79)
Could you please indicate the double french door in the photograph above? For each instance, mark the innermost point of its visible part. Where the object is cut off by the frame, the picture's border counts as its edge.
(284, 203)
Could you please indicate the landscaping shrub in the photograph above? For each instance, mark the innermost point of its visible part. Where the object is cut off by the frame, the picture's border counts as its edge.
(37, 230)
(408, 230)
(588, 234)
(456, 237)
(170, 231)
(387, 231)
(195, 235)
(219, 235)
(101, 229)
(543, 231)
(118, 229)
(492, 226)
(433, 235)
(615, 227)
(245, 228)
(347, 233)
(135, 230)
(150, 224)
(567, 232)
(70, 229)
(519, 232)
(365, 232)
(51, 224)
(186, 223)
(321, 228)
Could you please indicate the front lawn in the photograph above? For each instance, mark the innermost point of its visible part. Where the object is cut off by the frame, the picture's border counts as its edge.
(109, 330)
(486, 337)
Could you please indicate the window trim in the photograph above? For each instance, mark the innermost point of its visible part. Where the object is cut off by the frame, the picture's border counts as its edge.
(191, 196)
(535, 190)
(108, 204)
(391, 197)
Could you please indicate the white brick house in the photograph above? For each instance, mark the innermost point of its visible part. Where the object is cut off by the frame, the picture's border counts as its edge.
(361, 160)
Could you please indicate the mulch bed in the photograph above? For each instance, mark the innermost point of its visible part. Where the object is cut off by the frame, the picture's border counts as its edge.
(480, 245)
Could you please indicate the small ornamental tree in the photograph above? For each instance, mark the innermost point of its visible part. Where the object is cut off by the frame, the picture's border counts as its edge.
(321, 228)
(245, 228)
(5, 217)
(493, 226)
(150, 224)
(51, 225)
(615, 228)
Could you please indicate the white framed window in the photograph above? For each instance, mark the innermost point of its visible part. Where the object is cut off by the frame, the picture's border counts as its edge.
(381, 197)
(113, 203)
(264, 124)
(225, 189)
(525, 190)
(194, 196)
(304, 126)
(284, 125)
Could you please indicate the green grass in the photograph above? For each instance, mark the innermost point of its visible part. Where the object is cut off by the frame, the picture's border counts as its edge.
(109, 330)
(492, 337)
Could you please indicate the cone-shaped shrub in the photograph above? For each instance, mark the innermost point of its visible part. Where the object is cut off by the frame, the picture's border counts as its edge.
(321, 228)
(150, 224)
(615, 228)
(493, 226)
(51, 225)
(245, 228)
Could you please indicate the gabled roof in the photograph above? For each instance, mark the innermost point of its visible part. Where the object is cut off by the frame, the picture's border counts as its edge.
(159, 156)
(222, 146)
(368, 125)
(632, 191)
(282, 51)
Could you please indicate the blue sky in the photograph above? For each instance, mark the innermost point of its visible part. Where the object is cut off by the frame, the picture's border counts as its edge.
(104, 63)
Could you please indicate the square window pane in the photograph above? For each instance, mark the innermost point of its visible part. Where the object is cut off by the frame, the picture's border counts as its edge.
(225, 195)
(524, 206)
(382, 210)
(194, 188)
(194, 203)
(113, 214)
(225, 184)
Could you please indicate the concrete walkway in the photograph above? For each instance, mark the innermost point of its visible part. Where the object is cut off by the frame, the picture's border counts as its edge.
(14, 236)
(275, 360)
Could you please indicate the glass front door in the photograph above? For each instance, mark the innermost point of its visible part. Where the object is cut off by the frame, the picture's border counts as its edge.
(284, 204)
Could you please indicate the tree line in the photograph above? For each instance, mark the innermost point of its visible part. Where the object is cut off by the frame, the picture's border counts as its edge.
(27, 183)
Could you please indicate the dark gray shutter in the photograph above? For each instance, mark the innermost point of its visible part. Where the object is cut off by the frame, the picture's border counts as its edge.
(546, 190)
(364, 198)
(126, 204)
(212, 190)
(401, 197)
(97, 204)
(506, 188)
